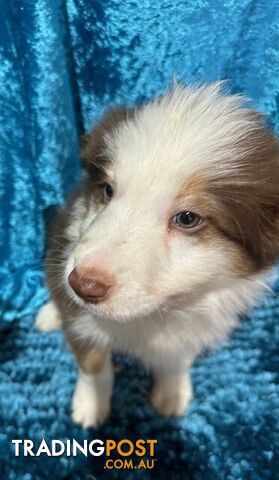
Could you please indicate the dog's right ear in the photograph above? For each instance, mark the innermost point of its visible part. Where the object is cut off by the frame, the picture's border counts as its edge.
(93, 146)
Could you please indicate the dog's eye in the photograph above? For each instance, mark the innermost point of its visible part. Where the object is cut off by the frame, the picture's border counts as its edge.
(187, 219)
(108, 191)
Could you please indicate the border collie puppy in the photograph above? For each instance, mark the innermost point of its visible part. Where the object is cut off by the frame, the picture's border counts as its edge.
(171, 235)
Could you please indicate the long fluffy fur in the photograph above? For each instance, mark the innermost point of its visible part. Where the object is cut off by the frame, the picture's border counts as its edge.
(175, 293)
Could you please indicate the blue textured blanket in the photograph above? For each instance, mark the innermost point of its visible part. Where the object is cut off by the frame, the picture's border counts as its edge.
(230, 432)
(61, 63)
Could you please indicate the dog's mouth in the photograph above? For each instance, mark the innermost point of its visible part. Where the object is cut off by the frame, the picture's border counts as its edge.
(111, 310)
(91, 299)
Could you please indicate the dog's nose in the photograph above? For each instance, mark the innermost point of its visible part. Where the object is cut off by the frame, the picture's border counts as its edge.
(89, 284)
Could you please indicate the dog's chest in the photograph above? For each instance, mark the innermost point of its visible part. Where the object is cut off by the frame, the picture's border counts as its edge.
(148, 339)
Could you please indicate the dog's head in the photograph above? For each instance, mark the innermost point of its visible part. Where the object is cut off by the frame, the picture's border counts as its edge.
(181, 198)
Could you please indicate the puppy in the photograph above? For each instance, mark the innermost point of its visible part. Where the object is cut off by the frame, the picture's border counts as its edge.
(171, 235)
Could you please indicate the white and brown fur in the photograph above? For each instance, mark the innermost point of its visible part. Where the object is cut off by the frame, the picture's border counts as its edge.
(173, 292)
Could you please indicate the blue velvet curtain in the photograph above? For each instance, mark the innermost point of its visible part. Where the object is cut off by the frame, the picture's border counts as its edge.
(63, 61)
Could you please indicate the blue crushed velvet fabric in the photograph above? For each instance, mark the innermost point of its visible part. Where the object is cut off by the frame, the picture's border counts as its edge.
(62, 62)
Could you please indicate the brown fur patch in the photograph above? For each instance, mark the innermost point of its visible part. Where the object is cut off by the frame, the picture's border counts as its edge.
(249, 199)
(243, 202)
(195, 186)
(93, 145)
(89, 358)
(195, 194)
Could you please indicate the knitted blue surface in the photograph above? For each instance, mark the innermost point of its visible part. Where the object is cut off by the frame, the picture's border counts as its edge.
(230, 432)
(61, 63)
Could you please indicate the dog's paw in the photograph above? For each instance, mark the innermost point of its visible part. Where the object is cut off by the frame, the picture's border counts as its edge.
(90, 408)
(171, 399)
(48, 318)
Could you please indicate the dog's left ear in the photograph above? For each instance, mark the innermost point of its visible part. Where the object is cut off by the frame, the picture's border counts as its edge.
(250, 194)
(93, 145)
(264, 197)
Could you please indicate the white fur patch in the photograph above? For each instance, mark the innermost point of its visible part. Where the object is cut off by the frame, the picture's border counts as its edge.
(171, 394)
(48, 318)
(91, 400)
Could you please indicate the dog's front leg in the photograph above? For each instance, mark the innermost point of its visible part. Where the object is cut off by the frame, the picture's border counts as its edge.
(171, 392)
(92, 396)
